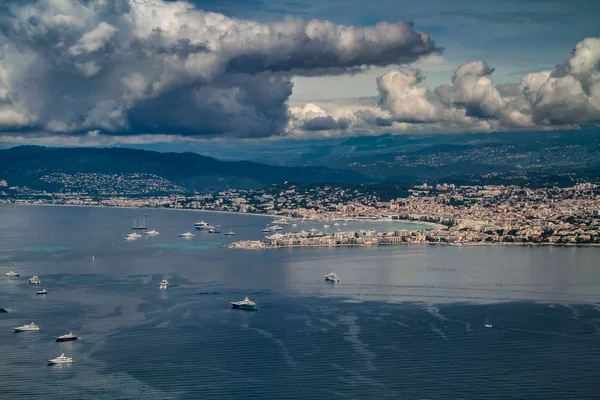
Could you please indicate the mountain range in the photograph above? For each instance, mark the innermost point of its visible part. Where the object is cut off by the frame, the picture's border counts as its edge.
(26, 165)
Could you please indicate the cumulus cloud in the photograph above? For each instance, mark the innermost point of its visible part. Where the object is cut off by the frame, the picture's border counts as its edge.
(568, 96)
(161, 67)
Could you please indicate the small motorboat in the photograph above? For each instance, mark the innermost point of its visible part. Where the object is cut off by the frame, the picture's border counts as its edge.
(11, 274)
(35, 280)
(186, 235)
(43, 291)
(487, 323)
(332, 277)
(152, 233)
(230, 233)
(164, 284)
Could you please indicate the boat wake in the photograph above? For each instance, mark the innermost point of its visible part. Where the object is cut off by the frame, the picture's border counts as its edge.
(547, 333)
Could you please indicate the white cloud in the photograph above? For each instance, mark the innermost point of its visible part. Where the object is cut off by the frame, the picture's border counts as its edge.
(566, 97)
(153, 66)
(93, 40)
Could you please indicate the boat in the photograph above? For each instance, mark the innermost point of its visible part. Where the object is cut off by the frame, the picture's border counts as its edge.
(134, 235)
(186, 235)
(139, 223)
(325, 226)
(62, 359)
(276, 228)
(487, 323)
(164, 284)
(245, 304)
(27, 328)
(152, 233)
(294, 225)
(69, 337)
(201, 225)
(130, 238)
(214, 230)
(66, 338)
(35, 280)
(11, 274)
(265, 230)
(280, 221)
(230, 233)
(336, 224)
(43, 291)
(332, 277)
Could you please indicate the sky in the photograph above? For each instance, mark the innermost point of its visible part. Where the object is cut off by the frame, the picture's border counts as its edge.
(130, 72)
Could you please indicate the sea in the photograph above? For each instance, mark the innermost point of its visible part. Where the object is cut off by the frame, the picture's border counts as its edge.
(405, 322)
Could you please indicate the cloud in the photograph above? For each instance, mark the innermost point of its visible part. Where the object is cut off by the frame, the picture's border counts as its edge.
(128, 67)
(568, 96)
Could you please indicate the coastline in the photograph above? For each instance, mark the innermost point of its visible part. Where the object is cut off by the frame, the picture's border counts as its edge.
(432, 225)
(229, 246)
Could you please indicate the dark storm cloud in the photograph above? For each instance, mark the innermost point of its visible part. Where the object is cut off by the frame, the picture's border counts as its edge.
(130, 67)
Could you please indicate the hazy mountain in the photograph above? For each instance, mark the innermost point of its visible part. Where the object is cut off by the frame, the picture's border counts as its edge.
(26, 165)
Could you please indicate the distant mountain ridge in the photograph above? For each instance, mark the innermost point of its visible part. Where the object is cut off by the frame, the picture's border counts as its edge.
(25, 165)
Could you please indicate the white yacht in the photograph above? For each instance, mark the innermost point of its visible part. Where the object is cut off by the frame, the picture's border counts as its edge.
(130, 238)
(245, 304)
(164, 284)
(276, 228)
(11, 274)
(487, 323)
(27, 328)
(265, 230)
(230, 233)
(134, 235)
(332, 277)
(201, 225)
(152, 233)
(186, 235)
(214, 229)
(325, 226)
(336, 224)
(62, 359)
(35, 280)
(43, 291)
(294, 225)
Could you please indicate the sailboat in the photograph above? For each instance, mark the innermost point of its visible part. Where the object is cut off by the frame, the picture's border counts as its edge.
(139, 223)
(487, 323)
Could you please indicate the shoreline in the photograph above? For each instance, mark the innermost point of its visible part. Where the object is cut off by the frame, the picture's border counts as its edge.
(229, 246)
(431, 225)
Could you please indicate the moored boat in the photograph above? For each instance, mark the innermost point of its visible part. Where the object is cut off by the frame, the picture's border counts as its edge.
(11, 274)
(69, 337)
(164, 284)
(186, 235)
(27, 328)
(43, 291)
(35, 280)
(245, 304)
(332, 277)
(62, 359)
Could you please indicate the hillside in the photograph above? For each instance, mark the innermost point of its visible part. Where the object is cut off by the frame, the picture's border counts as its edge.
(67, 169)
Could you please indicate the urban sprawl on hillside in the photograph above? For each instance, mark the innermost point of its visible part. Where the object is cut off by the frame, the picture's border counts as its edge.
(462, 215)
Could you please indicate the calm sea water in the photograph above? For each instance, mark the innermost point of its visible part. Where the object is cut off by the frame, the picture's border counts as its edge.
(405, 323)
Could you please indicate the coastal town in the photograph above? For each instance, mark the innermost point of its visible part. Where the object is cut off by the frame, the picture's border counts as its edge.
(458, 215)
